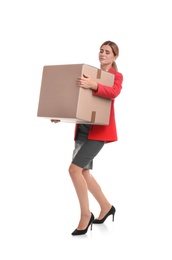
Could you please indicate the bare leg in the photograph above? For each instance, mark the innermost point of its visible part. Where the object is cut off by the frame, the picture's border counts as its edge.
(96, 191)
(82, 193)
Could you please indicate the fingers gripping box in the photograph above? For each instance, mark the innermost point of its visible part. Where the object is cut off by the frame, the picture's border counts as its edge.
(61, 98)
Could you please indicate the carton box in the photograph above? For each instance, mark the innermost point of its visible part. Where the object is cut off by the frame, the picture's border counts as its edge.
(61, 98)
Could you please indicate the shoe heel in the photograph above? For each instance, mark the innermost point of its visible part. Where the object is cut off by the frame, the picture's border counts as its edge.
(113, 214)
(110, 212)
(113, 217)
(91, 226)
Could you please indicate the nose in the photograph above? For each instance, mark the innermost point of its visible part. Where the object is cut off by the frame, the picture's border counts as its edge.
(102, 56)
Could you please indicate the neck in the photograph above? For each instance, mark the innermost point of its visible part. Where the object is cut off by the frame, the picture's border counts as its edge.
(105, 68)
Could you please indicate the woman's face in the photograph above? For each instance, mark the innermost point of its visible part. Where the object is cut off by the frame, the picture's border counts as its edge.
(106, 55)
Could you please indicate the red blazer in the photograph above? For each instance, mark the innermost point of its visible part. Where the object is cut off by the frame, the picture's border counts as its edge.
(107, 133)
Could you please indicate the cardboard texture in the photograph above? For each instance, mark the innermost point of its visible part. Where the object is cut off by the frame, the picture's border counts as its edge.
(61, 98)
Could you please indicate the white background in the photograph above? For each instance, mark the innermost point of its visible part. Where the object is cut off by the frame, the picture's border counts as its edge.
(38, 205)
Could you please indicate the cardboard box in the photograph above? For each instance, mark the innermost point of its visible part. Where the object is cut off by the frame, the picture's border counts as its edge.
(61, 98)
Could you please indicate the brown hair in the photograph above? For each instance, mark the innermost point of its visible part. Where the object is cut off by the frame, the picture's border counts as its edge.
(115, 51)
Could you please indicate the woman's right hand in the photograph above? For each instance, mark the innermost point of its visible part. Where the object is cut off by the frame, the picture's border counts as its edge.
(55, 120)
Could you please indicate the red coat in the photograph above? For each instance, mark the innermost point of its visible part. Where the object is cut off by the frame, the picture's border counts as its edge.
(107, 133)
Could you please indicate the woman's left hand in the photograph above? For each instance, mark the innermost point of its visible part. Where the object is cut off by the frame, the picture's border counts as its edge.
(87, 82)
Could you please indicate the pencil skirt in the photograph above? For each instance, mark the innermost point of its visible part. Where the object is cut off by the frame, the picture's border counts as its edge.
(85, 151)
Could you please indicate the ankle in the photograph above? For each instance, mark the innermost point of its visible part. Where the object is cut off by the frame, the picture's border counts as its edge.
(84, 219)
(106, 207)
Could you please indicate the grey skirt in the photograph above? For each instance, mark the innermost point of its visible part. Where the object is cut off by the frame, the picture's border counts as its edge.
(85, 151)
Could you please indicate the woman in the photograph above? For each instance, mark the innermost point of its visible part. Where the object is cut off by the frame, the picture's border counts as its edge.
(89, 140)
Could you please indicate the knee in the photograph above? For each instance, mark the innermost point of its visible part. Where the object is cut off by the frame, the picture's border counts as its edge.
(73, 169)
(86, 174)
(70, 170)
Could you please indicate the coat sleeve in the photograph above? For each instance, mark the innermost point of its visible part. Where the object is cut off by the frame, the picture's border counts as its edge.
(108, 91)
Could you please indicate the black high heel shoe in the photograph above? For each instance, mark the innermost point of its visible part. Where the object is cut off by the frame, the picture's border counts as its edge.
(77, 232)
(110, 212)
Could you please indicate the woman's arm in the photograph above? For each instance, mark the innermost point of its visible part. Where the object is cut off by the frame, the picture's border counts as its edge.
(98, 89)
(110, 92)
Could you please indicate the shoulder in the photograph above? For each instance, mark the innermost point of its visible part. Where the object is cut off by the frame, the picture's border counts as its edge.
(116, 73)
